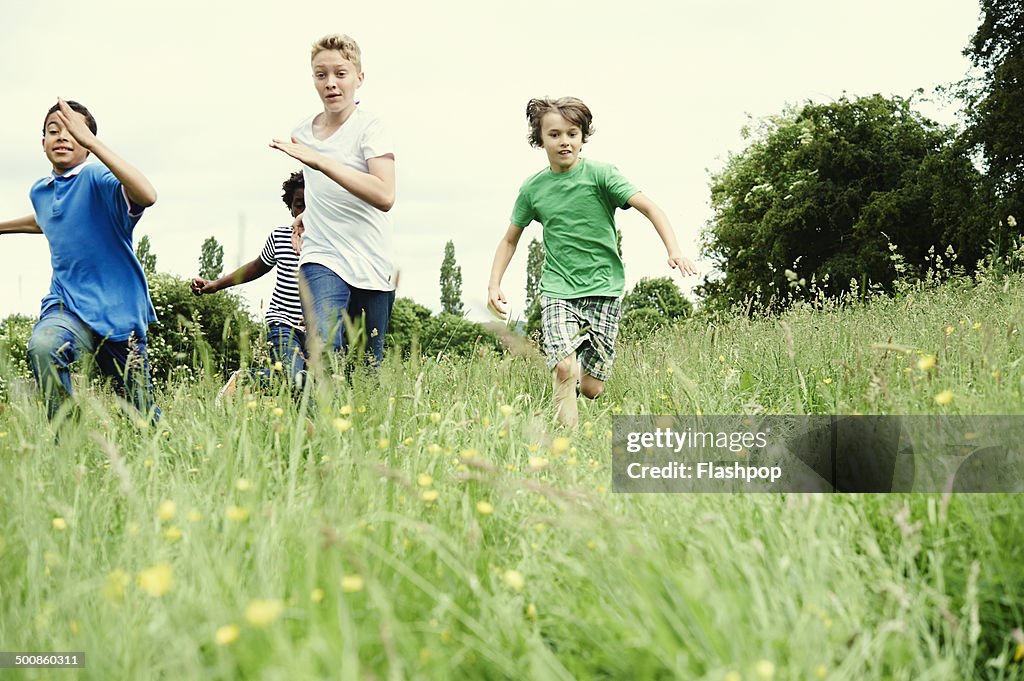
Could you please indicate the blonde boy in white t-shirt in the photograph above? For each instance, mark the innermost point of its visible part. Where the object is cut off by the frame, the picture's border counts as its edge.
(349, 172)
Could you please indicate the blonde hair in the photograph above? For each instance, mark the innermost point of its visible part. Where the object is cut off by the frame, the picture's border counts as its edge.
(348, 47)
(569, 108)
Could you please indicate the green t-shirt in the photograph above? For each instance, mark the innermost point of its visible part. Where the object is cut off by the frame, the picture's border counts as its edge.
(577, 211)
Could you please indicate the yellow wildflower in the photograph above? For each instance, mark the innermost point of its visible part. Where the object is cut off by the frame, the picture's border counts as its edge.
(316, 595)
(226, 635)
(352, 583)
(237, 513)
(156, 580)
(424, 480)
(765, 670)
(262, 613)
(944, 397)
(484, 507)
(559, 445)
(114, 586)
(243, 485)
(172, 533)
(514, 579)
(59, 524)
(926, 362)
(430, 495)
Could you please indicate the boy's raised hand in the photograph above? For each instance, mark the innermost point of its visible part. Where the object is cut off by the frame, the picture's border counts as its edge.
(683, 264)
(75, 124)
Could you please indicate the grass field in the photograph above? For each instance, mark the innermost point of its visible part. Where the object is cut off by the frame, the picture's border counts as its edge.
(437, 525)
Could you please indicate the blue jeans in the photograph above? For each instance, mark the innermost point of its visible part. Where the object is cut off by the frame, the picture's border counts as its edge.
(287, 346)
(330, 297)
(60, 337)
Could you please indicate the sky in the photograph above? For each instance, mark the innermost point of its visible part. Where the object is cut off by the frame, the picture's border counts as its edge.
(192, 92)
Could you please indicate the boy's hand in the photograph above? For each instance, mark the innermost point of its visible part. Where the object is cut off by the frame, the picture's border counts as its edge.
(496, 302)
(297, 230)
(299, 151)
(201, 286)
(683, 264)
(75, 124)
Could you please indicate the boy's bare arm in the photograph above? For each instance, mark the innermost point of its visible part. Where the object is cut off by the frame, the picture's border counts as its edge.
(376, 187)
(243, 275)
(663, 227)
(25, 225)
(136, 186)
(502, 257)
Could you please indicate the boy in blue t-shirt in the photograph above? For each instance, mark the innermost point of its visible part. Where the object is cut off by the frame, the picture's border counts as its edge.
(99, 298)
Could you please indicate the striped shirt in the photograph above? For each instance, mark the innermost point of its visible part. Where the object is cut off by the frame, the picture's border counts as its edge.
(285, 307)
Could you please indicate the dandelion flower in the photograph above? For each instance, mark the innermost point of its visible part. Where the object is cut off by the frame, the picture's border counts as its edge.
(949, 330)
(341, 425)
(435, 417)
(383, 443)
(434, 449)
(407, 441)
(132, 528)
(484, 507)
(226, 635)
(514, 579)
(424, 480)
(559, 445)
(976, 325)
(507, 410)
(156, 580)
(251, 404)
(733, 676)
(346, 410)
(261, 613)
(237, 513)
(316, 595)
(536, 463)
(361, 409)
(821, 671)
(827, 380)
(350, 584)
(114, 585)
(926, 362)
(172, 533)
(277, 411)
(59, 524)
(470, 453)
(278, 366)
(430, 495)
(944, 397)
(1018, 654)
(765, 670)
(194, 516)
(531, 611)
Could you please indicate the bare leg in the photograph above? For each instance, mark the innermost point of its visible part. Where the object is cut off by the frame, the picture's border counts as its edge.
(563, 381)
(591, 387)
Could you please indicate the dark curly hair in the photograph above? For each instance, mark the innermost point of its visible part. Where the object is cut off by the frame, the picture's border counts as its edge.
(75, 106)
(293, 182)
(569, 108)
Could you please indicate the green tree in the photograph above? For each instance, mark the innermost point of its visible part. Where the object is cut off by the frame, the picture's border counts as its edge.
(451, 282)
(406, 324)
(146, 257)
(995, 100)
(823, 190)
(534, 269)
(211, 259)
(651, 305)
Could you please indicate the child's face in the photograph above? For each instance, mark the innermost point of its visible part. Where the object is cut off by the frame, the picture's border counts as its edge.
(562, 141)
(336, 80)
(59, 146)
(298, 202)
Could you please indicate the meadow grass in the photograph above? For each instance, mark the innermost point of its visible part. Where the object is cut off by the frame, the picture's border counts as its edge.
(434, 523)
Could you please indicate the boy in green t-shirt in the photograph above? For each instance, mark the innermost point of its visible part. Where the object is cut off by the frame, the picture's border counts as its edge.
(583, 279)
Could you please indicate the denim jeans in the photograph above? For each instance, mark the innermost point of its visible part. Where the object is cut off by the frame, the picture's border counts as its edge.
(330, 296)
(287, 346)
(60, 337)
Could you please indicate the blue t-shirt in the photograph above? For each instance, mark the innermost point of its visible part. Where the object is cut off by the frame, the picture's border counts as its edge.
(88, 221)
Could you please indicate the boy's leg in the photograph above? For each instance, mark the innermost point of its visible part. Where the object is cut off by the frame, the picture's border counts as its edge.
(325, 298)
(562, 325)
(375, 307)
(563, 384)
(57, 340)
(127, 364)
(597, 357)
(286, 348)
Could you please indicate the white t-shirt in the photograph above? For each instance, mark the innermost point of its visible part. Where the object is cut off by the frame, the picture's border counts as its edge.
(342, 232)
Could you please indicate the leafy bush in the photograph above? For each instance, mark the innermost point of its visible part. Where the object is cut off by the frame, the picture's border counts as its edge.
(214, 333)
(14, 334)
(413, 327)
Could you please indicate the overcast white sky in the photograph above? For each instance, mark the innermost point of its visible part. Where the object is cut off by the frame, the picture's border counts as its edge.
(192, 92)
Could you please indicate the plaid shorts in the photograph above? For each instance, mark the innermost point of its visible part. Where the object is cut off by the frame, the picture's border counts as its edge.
(587, 326)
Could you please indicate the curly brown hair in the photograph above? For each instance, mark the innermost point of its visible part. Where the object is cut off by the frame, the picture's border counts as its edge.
(294, 181)
(569, 108)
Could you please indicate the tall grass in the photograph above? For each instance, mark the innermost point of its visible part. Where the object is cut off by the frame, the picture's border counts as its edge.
(434, 523)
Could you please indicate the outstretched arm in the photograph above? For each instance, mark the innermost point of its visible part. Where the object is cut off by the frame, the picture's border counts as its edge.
(376, 187)
(25, 225)
(502, 257)
(663, 227)
(244, 274)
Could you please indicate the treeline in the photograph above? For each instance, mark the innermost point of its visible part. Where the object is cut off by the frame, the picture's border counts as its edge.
(863, 192)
